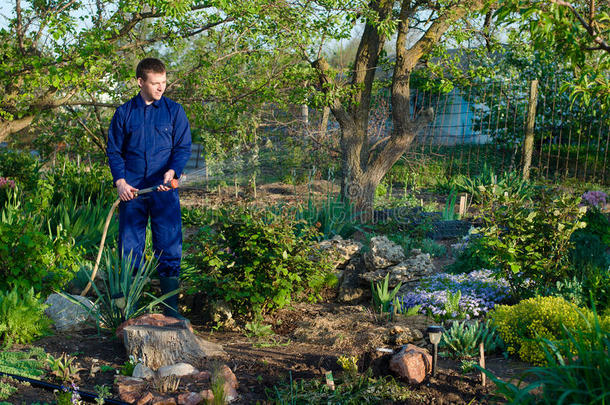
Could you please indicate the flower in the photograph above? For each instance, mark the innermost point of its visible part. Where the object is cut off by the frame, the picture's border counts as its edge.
(6, 183)
(595, 199)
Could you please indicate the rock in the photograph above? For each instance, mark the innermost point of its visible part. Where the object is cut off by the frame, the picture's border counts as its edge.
(146, 398)
(400, 336)
(382, 253)
(412, 363)
(163, 400)
(190, 398)
(220, 312)
(407, 271)
(342, 250)
(67, 315)
(202, 376)
(179, 370)
(160, 346)
(350, 290)
(152, 320)
(143, 372)
(129, 388)
(207, 395)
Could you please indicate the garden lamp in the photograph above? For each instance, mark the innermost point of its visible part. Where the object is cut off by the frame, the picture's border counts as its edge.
(435, 333)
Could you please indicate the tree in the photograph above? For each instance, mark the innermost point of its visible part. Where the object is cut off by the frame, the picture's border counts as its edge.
(364, 164)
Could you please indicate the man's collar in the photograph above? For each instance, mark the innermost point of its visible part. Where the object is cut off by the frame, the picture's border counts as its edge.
(141, 103)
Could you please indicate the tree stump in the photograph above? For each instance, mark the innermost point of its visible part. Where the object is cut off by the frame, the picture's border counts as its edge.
(160, 346)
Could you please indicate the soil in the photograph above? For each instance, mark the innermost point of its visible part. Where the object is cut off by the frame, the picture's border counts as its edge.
(307, 340)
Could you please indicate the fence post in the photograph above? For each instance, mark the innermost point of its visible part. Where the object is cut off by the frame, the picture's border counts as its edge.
(528, 144)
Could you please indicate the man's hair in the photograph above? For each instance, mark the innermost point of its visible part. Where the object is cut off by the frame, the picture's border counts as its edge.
(148, 65)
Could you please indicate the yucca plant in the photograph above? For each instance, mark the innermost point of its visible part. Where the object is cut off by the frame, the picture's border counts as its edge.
(120, 298)
(463, 340)
(383, 298)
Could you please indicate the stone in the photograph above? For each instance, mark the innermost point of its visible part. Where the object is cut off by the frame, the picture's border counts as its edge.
(350, 289)
(412, 363)
(341, 250)
(400, 336)
(382, 253)
(220, 312)
(145, 399)
(143, 372)
(207, 395)
(152, 320)
(160, 346)
(190, 398)
(406, 272)
(179, 370)
(202, 376)
(129, 388)
(68, 316)
(163, 400)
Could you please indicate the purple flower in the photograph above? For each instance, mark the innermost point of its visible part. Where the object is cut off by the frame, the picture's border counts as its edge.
(6, 183)
(595, 199)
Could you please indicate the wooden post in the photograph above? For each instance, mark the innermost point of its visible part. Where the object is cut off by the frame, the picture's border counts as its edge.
(235, 183)
(528, 144)
(463, 199)
(482, 363)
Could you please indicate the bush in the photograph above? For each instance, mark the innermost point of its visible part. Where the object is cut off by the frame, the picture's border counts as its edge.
(22, 317)
(530, 242)
(83, 183)
(20, 166)
(29, 257)
(255, 262)
(577, 370)
(463, 340)
(475, 256)
(522, 326)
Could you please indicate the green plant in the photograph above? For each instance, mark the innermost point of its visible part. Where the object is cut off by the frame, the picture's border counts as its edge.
(83, 183)
(121, 297)
(383, 298)
(475, 256)
(349, 365)
(433, 248)
(522, 326)
(448, 213)
(22, 317)
(68, 395)
(577, 369)
(363, 389)
(64, 368)
(103, 393)
(218, 386)
(27, 364)
(530, 243)
(597, 224)
(467, 365)
(256, 261)
(462, 340)
(28, 256)
(104, 368)
(128, 366)
(257, 329)
(452, 306)
(20, 166)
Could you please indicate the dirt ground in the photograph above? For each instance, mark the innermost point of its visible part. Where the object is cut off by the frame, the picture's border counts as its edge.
(307, 340)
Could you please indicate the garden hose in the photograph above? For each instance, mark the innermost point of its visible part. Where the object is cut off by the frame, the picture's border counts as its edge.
(172, 184)
(87, 396)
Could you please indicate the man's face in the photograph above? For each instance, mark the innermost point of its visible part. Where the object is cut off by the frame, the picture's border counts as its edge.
(153, 87)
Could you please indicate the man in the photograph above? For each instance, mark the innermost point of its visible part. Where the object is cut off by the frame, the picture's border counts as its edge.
(149, 143)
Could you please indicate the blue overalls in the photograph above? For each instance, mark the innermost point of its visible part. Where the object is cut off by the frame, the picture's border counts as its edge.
(144, 142)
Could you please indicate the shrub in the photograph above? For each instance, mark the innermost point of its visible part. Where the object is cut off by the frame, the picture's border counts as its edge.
(530, 242)
(20, 166)
(522, 326)
(475, 256)
(22, 317)
(577, 370)
(256, 262)
(30, 258)
(83, 183)
(435, 249)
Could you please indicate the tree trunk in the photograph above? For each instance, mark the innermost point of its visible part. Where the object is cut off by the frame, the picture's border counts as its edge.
(528, 144)
(8, 128)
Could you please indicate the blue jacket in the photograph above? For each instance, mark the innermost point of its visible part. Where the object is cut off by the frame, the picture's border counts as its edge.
(144, 141)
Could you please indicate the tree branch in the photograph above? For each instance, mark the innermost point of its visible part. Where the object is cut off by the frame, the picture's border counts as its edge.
(595, 35)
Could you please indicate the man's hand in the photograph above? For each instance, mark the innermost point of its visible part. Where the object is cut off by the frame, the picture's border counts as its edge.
(125, 190)
(167, 178)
